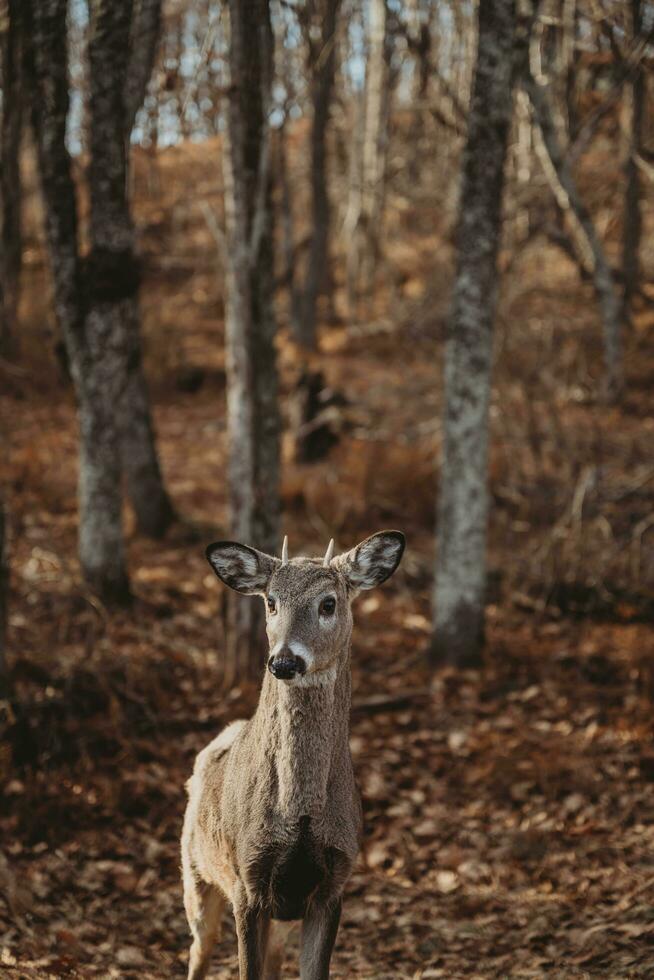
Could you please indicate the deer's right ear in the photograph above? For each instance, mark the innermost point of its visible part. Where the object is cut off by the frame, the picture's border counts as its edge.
(241, 568)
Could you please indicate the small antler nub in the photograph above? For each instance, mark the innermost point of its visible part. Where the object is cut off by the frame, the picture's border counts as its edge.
(329, 553)
(285, 550)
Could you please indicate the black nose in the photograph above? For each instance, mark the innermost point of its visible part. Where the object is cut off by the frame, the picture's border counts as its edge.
(286, 665)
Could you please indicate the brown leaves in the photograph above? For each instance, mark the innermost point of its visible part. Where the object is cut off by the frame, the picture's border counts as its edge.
(509, 812)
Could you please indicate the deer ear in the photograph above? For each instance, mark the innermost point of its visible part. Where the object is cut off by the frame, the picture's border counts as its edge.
(241, 568)
(372, 561)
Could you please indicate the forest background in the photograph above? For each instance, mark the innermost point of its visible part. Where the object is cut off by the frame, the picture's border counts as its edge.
(506, 757)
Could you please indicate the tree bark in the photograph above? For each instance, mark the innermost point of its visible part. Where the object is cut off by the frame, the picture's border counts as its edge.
(90, 342)
(288, 235)
(322, 62)
(252, 409)
(144, 37)
(113, 267)
(568, 198)
(632, 210)
(374, 138)
(463, 497)
(10, 192)
(4, 590)
(366, 203)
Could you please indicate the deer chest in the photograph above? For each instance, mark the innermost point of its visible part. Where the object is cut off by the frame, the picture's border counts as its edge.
(289, 873)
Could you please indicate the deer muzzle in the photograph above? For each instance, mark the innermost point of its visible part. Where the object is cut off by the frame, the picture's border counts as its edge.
(285, 664)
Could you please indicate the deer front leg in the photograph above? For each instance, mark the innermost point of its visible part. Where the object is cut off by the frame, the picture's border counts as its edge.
(204, 906)
(318, 937)
(252, 926)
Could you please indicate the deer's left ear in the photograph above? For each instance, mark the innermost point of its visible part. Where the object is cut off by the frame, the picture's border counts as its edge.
(372, 561)
(240, 567)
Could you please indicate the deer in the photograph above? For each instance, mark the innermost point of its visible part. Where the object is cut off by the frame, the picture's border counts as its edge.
(273, 819)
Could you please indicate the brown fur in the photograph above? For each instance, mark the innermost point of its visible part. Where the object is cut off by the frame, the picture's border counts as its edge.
(274, 816)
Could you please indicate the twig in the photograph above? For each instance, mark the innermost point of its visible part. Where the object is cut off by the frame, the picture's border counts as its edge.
(215, 229)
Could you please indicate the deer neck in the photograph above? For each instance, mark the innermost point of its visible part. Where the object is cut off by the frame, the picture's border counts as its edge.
(304, 732)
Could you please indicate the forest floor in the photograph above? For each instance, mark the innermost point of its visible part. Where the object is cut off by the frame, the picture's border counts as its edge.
(509, 811)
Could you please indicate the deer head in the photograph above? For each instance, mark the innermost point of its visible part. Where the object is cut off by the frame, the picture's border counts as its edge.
(308, 600)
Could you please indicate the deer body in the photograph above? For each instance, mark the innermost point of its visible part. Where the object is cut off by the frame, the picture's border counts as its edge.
(274, 817)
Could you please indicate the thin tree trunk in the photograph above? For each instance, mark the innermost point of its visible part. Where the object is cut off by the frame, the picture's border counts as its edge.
(88, 334)
(463, 495)
(567, 63)
(252, 409)
(287, 235)
(374, 138)
(632, 211)
(144, 37)
(568, 198)
(419, 40)
(351, 218)
(322, 82)
(10, 189)
(4, 590)
(367, 194)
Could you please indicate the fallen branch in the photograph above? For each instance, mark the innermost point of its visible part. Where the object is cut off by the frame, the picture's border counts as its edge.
(390, 702)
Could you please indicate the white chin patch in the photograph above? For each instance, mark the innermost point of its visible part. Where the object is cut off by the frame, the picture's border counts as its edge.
(317, 678)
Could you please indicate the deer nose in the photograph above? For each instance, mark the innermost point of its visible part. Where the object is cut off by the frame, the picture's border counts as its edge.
(285, 664)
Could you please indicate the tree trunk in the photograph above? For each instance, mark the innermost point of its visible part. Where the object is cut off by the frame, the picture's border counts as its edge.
(463, 497)
(145, 486)
(374, 137)
(322, 63)
(10, 193)
(4, 589)
(567, 62)
(419, 40)
(113, 267)
(351, 218)
(568, 198)
(632, 212)
(365, 207)
(288, 235)
(88, 334)
(252, 409)
(144, 37)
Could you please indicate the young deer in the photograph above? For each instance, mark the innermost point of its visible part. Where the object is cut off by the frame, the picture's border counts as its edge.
(274, 816)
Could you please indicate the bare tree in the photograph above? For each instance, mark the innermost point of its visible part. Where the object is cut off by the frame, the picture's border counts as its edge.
(96, 300)
(10, 197)
(144, 37)
(365, 208)
(321, 62)
(4, 589)
(416, 29)
(567, 62)
(252, 409)
(130, 74)
(287, 231)
(633, 221)
(112, 272)
(559, 172)
(94, 352)
(463, 493)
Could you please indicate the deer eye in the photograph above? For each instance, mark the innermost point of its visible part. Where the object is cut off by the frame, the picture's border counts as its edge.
(272, 604)
(327, 606)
